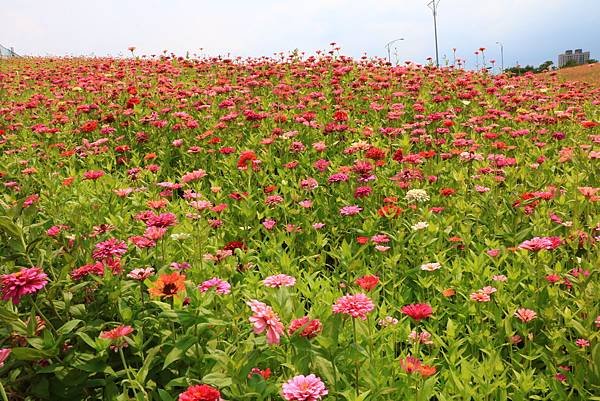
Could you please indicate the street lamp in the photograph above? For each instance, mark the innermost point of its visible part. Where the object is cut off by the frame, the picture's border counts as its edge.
(501, 55)
(433, 5)
(388, 48)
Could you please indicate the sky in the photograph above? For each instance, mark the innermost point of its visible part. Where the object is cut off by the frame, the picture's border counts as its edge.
(531, 31)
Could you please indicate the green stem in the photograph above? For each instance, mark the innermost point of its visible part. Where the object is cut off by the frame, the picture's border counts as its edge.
(356, 349)
(37, 308)
(3, 393)
(126, 367)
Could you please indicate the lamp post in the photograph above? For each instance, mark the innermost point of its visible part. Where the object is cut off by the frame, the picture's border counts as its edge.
(501, 55)
(433, 5)
(388, 48)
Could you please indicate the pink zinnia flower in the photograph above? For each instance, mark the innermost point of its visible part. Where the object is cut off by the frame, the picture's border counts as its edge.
(304, 388)
(356, 306)
(350, 210)
(109, 248)
(597, 322)
(193, 176)
(480, 296)
(525, 315)
(539, 243)
(26, 281)
(500, 277)
(141, 274)
(582, 342)
(221, 286)
(117, 336)
(269, 224)
(421, 338)
(417, 311)
(265, 319)
(4, 353)
(279, 280)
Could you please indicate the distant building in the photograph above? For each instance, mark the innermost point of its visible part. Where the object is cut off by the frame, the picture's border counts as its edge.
(578, 56)
(6, 52)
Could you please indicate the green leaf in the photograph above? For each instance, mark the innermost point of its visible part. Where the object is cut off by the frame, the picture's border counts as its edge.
(217, 379)
(143, 372)
(68, 327)
(179, 350)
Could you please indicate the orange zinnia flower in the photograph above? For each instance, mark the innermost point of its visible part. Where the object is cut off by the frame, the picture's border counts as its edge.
(168, 285)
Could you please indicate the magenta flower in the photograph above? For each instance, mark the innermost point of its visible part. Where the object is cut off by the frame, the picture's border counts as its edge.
(356, 306)
(350, 210)
(221, 286)
(417, 311)
(582, 343)
(4, 353)
(539, 243)
(279, 280)
(26, 281)
(304, 388)
(265, 319)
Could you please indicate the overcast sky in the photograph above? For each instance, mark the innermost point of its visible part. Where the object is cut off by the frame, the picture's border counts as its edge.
(532, 31)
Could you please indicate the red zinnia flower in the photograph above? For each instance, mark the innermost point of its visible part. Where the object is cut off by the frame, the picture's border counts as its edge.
(367, 282)
(202, 392)
(417, 311)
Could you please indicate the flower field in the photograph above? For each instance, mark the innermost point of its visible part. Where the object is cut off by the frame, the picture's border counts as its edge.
(296, 229)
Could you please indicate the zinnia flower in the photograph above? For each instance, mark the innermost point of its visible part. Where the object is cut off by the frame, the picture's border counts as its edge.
(26, 281)
(350, 210)
(202, 392)
(410, 364)
(279, 280)
(310, 327)
(525, 315)
(4, 353)
(539, 243)
(304, 388)
(141, 274)
(168, 285)
(356, 306)
(367, 282)
(265, 318)
(430, 266)
(117, 336)
(417, 311)
(221, 286)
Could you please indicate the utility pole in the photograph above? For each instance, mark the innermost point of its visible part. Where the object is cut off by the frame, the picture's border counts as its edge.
(388, 49)
(501, 56)
(433, 5)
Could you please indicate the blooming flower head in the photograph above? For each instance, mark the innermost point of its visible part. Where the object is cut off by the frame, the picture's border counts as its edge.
(388, 321)
(350, 210)
(279, 280)
(410, 364)
(201, 392)
(582, 343)
(308, 327)
(26, 281)
(265, 319)
(141, 274)
(367, 282)
(525, 315)
(417, 311)
(168, 285)
(480, 296)
(117, 336)
(265, 374)
(356, 306)
(4, 353)
(109, 249)
(539, 243)
(304, 388)
(420, 338)
(432, 266)
(416, 195)
(597, 322)
(421, 225)
(221, 286)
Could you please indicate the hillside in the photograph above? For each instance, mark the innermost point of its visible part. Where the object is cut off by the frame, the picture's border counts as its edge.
(589, 73)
